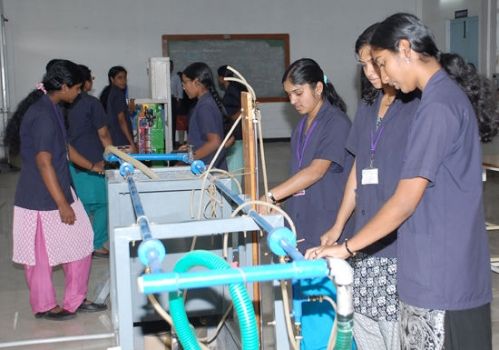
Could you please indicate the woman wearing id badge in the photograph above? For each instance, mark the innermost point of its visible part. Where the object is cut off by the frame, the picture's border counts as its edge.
(319, 162)
(377, 139)
(319, 169)
(443, 266)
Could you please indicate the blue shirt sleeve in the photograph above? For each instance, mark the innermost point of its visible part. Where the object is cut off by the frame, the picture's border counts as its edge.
(210, 120)
(42, 132)
(117, 102)
(98, 115)
(332, 140)
(353, 136)
(432, 135)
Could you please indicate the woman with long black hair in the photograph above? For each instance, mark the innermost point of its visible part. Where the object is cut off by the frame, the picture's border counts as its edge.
(378, 140)
(320, 166)
(50, 226)
(206, 118)
(114, 101)
(89, 135)
(443, 257)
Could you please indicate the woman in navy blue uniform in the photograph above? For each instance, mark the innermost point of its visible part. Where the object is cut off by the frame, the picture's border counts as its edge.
(114, 101)
(206, 129)
(319, 169)
(89, 135)
(232, 103)
(50, 226)
(377, 139)
(319, 162)
(443, 257)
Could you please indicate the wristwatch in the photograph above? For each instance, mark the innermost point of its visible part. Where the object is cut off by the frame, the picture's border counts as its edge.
(270, 196)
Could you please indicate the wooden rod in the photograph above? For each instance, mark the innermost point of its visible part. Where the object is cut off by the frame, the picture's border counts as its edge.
(250, 183)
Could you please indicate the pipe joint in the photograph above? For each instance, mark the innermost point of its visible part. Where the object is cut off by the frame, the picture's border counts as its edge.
(278, 237)
(151, 253)
(126, 169)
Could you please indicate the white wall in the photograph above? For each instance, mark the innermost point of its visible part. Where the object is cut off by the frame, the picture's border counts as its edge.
(437, 13)
(103, 33)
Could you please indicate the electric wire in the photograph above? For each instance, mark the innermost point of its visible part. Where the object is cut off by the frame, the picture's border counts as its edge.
(219, 326)
(165, 315)
(295, 343)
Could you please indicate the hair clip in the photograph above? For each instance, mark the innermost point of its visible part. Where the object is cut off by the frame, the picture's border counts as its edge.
(41, 87)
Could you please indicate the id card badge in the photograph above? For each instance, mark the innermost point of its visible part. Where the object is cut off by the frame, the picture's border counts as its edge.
(370, 176)
(299, 193)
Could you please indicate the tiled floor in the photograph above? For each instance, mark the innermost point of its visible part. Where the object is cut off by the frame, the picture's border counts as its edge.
(17, 324)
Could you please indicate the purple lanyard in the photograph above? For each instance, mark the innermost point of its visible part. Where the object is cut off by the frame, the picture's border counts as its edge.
(375, 137)
(301, 150)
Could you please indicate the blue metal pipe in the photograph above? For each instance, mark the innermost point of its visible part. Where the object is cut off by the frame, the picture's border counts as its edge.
(281, 239)
(139, 210)
(151, 251)
(168, 282)
(264, 224)
(291, 251)
(183, 157)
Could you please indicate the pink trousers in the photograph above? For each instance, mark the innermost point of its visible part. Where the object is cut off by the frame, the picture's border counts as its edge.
(39, 278)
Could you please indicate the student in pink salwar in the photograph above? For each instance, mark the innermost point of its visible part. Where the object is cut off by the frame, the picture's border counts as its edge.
(50, 225)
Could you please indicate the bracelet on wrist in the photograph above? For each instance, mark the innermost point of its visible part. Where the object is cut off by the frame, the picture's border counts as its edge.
(348, 249)
(270, 196)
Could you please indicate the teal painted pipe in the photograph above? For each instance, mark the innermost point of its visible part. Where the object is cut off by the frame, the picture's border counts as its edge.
(240, 298)
(175, 281)
(183, 157)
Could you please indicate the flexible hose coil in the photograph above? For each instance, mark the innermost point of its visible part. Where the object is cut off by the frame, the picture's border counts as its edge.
(241, 300)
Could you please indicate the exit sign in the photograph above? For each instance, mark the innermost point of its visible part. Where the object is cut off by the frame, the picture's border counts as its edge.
(461, 13)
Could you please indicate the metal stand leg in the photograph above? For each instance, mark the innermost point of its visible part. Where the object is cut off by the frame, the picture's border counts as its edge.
(102, 290)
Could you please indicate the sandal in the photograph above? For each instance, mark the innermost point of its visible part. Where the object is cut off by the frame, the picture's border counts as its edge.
(101, 253)
(61, 315)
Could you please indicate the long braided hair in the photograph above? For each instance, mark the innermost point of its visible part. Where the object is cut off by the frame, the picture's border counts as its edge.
(201, 72)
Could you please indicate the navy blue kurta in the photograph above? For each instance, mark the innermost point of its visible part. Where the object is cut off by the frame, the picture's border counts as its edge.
(443, 254)
(42, 130)
(86, 116)
(315, 212)
(116, 103)
(205, 118)
(388, 159)
(232, 103)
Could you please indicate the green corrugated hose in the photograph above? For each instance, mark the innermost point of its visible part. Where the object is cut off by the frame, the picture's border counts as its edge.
(240, 299)
(344, 335)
